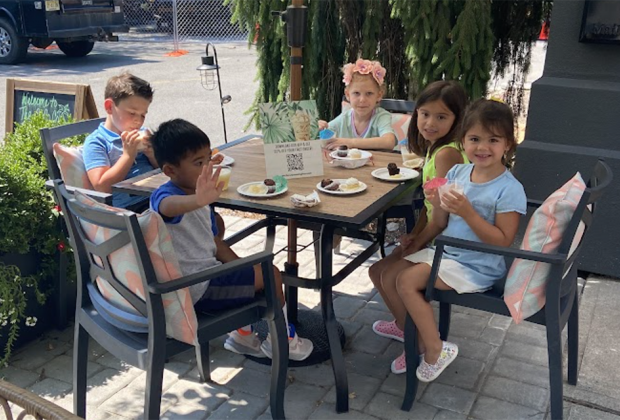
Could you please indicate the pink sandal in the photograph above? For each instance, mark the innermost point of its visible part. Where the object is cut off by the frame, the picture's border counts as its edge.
(388, 330)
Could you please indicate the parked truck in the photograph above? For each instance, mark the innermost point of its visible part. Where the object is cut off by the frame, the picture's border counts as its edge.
(75, 26)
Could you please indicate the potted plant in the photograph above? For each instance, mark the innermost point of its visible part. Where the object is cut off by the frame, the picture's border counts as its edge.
(30, 235)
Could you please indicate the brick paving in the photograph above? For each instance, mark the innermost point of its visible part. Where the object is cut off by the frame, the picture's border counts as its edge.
(501, 371)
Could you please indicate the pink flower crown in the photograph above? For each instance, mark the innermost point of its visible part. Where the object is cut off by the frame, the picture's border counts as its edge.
(362, 66)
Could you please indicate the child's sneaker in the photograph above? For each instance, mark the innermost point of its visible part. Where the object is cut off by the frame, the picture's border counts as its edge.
(427, 372)
(244, 343)
(399, 365)
(298, 348)
(389, 330)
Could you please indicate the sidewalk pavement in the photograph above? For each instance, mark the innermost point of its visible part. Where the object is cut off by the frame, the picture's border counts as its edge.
(500, 373)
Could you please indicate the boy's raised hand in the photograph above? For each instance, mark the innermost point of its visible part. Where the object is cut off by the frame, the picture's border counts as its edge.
(131, 142)
(208, 187)
(323, 125)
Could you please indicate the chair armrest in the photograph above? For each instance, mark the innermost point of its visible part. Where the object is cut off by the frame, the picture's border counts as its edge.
(534, 203)
(239, 141)
(500, 250)
(105, 198)
(211, 273)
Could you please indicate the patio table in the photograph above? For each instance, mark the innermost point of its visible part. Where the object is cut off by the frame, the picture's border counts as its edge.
(345, 215)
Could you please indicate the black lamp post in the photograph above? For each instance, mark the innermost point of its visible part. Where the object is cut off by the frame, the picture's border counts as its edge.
(210, 78)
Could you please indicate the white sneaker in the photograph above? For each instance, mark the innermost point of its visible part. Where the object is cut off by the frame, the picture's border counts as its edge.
(248, 345)
(298, 348)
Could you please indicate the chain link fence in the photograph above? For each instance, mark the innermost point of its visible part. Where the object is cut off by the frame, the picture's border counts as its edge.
(180, 21)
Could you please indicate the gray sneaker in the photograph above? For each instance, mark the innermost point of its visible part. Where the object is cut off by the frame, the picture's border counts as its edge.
(248, 345)
(298, 348)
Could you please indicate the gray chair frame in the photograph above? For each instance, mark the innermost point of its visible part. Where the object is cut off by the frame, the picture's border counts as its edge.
(402, 211)
(149, 351)
(49, 136)
(562, 297)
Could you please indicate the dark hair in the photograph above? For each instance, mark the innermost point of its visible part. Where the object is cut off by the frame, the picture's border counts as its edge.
(454, 98)
(125, 85)
(495, 117)
(175, 139)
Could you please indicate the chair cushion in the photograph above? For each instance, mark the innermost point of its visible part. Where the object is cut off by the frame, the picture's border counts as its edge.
(181, 322)
(525, 292)
(71, 165)
(400, 122)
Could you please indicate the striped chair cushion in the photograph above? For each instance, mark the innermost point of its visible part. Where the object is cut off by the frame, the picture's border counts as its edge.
(526, 283)
(181, 322)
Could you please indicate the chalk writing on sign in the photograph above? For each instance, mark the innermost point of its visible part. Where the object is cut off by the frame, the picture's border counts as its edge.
(55, 106)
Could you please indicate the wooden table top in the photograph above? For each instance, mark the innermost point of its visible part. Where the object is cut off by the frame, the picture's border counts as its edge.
(249, 166)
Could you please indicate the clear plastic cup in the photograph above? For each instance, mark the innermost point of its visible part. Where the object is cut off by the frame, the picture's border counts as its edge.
(449, 187)
(225, 176)
(406, 154)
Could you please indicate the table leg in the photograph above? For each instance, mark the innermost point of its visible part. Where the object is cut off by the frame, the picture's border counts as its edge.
(331, 325)
(291, 267)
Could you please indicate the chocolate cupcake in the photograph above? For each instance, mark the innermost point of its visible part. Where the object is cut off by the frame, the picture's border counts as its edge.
(343, 151)
(329, 184)
(271, 185)
(393, 169)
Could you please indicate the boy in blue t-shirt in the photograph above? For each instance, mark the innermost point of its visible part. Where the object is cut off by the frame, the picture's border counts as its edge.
(119, 149)
(183, 152)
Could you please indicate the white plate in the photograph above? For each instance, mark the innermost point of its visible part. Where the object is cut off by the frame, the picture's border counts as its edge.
(405, 174)
(243, 190)
(365, 155)
(361, 188)
(227, 160)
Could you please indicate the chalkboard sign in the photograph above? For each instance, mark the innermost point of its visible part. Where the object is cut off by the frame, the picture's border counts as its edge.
(56, 100)
(601, 22)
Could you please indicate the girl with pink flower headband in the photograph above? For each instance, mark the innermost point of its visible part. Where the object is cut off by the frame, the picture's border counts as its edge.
(365, 125)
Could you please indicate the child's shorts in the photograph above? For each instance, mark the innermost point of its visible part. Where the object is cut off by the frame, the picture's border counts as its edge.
(229, 291)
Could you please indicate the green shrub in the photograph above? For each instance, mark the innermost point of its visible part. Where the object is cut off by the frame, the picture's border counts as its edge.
(29, 221)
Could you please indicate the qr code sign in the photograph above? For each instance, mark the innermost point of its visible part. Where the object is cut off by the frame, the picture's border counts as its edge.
(295, 162)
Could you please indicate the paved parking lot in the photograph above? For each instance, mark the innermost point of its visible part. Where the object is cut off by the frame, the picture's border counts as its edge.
(178, 92)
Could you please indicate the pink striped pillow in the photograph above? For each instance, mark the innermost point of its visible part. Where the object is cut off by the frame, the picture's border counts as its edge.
(71, 165)
(181, 322)
(527, 280)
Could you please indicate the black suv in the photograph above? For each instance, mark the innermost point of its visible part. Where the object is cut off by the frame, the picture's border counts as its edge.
(75, 25)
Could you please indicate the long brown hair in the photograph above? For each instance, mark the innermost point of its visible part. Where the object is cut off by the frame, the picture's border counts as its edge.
(454, 98)
(496, 117)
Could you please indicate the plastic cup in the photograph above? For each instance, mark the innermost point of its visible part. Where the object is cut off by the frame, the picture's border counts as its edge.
(406, 154)
(449, 187)
(225, 176)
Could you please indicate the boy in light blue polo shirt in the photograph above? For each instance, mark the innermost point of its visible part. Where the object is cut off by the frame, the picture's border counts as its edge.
(119, 149)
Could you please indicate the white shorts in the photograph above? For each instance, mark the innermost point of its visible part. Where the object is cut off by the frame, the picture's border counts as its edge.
(451, 272)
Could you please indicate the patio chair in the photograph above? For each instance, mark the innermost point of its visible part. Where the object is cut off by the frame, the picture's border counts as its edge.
(33, 405)
(134, 302)
(561, 295)
(399, 109)
(49, 137)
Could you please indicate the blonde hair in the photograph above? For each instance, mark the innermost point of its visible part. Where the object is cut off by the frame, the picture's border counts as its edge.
(126, 85)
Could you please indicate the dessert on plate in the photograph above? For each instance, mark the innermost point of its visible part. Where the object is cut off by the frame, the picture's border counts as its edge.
(355, 154)
(330, 184)
(393, 170)
(343, 151)
(271, 185)
(350, 184)
(258, 189)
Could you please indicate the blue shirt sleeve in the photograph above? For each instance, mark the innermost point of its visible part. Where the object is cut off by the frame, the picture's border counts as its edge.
(383, 123)
(166, 190)
(512, 198)
(95, 152)
(452, 173)
(213, 223)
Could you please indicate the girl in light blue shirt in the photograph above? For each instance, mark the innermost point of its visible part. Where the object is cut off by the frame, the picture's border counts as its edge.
(482, 202)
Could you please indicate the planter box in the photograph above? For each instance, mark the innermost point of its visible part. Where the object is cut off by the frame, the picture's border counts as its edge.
(29, 264)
